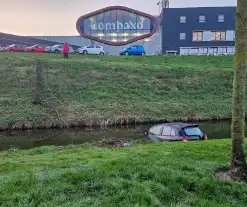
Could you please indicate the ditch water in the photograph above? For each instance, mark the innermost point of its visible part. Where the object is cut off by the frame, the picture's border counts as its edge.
(95, 136)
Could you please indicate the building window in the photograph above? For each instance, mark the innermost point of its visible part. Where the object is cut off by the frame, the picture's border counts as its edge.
(183, 19)
(202, 19)
(194, 51)
(231, 50)
(213, 50)
(221, 18)
(203, 50)
(222, 50)
(218, 36)
(182, 36)
(197, 36)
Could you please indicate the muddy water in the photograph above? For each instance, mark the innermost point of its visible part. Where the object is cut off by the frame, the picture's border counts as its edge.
(63, 137)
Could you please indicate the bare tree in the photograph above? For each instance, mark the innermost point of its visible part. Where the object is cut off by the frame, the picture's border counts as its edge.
(238, 162)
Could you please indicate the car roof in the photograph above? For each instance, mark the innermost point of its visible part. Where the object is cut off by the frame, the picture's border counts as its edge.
(180, 125)
(177, 125)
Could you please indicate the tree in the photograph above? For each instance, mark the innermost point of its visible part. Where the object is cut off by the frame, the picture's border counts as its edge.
(238, 162)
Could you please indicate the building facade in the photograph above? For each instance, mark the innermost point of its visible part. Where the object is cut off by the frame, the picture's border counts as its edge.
(198, 31)
(151, 44)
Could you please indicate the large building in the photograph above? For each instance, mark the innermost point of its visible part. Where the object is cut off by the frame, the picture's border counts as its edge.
(198, 31)
(152, 44)
(179, 31)
(115, 28)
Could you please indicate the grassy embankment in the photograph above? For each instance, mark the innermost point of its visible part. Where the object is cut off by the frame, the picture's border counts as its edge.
(163, 174)
(113, 90)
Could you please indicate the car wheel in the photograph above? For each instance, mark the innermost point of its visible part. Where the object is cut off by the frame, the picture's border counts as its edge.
(11, 50)
(101, 53)
(85, 52)
(57, 51)
(126, 53)
(33, 51)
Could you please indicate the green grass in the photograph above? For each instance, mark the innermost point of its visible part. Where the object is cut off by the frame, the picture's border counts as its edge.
(162, 174)
(113, 90)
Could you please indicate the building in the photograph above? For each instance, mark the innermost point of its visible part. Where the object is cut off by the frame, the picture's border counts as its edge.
(115, 28)
(198, 31)
(180, 31)
(152, 44)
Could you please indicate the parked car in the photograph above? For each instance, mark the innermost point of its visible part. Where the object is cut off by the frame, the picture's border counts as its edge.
(36, 48)
(92, 50)
(134, 50)
(15, 48)
(48, 49)
(58, 49)
(1, 49)
(176, 132)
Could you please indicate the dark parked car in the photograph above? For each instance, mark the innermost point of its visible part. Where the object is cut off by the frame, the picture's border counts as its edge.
(176, 132)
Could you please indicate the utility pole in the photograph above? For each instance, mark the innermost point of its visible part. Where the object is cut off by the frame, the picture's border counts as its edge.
(163, 4)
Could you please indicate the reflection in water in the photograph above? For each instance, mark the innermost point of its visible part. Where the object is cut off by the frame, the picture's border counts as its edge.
(63, 137)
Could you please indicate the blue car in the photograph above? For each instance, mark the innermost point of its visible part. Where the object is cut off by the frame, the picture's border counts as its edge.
(133, 50)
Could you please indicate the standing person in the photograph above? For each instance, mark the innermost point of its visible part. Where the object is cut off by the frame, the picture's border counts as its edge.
(66, 50)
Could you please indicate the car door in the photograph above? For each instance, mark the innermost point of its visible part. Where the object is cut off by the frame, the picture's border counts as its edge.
(98, 49)
(18, 48)
(91, 49)
(166, 133)
(132, 50)
(154, 133)
(138, 50)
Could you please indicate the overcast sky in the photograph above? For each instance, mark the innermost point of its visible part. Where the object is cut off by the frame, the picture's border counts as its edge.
(58, 17)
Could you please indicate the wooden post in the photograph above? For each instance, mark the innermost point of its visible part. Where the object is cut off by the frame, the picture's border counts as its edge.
(38, 85)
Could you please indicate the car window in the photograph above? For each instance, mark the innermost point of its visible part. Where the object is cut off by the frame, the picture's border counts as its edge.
(97, 46)
(173, 132)
(90, 46)
(155, 130)
(166, 131)
(192, 131)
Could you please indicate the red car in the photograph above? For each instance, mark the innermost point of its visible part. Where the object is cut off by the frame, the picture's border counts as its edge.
(15, 48)
(36, 48)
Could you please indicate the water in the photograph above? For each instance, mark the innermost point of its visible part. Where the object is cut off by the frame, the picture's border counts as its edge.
(63, 137)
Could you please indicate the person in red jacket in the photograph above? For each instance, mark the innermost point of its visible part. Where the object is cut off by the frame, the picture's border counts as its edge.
(66, 50)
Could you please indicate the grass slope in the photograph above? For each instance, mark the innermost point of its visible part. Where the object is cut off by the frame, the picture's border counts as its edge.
(163, 174)
(110, 90)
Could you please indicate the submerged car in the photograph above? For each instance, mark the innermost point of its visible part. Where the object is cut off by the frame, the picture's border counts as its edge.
(176, 132)
(134, 50)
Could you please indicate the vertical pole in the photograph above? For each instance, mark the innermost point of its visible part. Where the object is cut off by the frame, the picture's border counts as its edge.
(38, 87)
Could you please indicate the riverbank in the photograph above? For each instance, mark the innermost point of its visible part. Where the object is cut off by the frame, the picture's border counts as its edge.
(89, 91)
(163, 174)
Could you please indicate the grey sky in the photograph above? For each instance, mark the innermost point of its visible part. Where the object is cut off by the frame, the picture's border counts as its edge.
(58, 17)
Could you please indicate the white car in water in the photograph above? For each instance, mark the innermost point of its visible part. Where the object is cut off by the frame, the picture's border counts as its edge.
(92, 50)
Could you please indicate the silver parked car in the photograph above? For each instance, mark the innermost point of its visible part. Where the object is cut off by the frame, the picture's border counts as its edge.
(58, 49)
